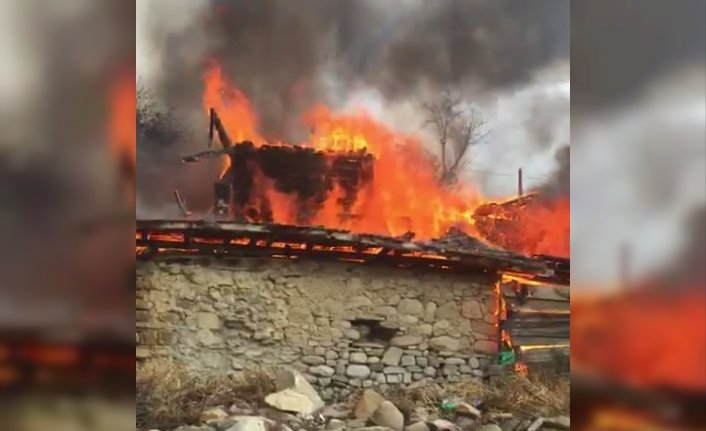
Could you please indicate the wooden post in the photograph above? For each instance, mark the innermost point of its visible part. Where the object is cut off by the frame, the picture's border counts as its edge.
(520, 192)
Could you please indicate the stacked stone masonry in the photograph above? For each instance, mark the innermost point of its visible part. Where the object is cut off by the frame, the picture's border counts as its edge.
(344, 326)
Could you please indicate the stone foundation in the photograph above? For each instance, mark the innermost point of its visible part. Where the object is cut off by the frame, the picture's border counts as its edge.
(344, 326)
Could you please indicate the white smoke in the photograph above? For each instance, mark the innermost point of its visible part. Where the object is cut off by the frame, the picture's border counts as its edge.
(513, 118)
(155, 24)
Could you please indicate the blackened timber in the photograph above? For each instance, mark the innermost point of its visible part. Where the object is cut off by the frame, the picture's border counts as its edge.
(205, 238)
(306, 175)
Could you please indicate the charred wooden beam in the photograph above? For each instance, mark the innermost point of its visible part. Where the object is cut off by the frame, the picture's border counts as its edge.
(215, 123)
(204, 238)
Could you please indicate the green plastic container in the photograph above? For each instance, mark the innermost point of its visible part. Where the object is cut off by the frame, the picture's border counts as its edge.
(507, 357)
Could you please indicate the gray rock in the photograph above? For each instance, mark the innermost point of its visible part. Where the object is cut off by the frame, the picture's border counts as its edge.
(321, 371)
(422, 361)
(406, 340)
(454, 361)
(444, 425)
(335, 424)
(473, 362)
(490, 427)
(388, 415)
(374, 351)
(392, 356)
(471, 309)
(294, 394)
(430, 371)
(357, 358)
(292, 401)
(352, 334)
(394, 370)
(356, 423)
(417, 426)
(407, 361)
(410, 306)
(340, 379)
(394, 378)
(358, 371)
(377, 367)
(313, 360)
(444, 343)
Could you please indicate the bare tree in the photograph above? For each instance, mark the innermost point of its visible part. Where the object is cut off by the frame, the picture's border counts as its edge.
(458, 128)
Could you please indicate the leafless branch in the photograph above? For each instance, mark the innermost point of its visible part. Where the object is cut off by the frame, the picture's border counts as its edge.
(453, 124)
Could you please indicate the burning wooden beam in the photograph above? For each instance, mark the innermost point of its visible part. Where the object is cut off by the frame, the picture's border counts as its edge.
(231, 239)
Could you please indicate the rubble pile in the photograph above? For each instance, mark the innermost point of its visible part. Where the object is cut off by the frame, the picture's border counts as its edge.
(295, 406)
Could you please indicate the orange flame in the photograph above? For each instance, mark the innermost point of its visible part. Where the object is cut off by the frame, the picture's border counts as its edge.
(643, 338)
(405, 196)
(529, 225)
(122, 117)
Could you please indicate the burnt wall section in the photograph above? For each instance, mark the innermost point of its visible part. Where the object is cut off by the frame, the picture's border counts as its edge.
(344, 326)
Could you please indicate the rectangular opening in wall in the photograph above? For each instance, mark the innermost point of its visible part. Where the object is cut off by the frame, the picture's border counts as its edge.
(373, 331)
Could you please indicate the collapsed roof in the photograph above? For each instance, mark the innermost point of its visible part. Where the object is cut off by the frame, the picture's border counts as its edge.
(455, 251)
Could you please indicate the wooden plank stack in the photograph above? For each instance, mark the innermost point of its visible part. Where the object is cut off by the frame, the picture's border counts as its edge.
(536, 319)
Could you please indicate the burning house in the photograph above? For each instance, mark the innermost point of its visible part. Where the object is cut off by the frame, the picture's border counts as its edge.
(286, 272)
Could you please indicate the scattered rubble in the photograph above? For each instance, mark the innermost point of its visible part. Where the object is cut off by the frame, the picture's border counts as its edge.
(296, 406)
(294, 394)
(387, 415)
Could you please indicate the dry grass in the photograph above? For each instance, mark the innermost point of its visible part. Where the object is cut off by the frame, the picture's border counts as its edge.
(170, 394)
(544, 394)
(540, 395)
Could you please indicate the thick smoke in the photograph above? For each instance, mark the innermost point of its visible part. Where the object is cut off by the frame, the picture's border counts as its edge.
(620, 47)
(55, 167)
(638, 164)
(489, 44)
(386, 56)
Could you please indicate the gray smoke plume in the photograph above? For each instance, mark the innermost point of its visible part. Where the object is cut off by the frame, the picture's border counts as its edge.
(501, 56)
(638, 127)
(56, 171)
(619, 47)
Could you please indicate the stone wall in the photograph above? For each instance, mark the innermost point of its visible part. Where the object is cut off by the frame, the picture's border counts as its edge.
(344, 326)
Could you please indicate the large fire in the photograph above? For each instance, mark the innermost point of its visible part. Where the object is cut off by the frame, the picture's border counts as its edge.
(405, 195)
(531, 224)
(642, 338)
